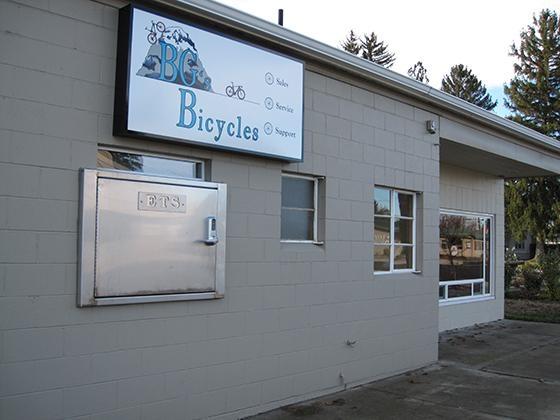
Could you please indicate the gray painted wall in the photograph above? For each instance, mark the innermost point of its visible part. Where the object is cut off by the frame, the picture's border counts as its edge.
(462, 189)
(278, 335)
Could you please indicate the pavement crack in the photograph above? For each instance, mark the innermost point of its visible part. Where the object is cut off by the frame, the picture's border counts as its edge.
(514, 375)
(440, 404)
(512, 355)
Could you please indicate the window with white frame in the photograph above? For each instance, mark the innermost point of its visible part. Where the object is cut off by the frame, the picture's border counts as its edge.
(394, 248)
(465, 255)
(299, 208)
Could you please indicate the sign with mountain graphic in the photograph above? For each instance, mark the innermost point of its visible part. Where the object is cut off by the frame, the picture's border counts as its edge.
(184, 83)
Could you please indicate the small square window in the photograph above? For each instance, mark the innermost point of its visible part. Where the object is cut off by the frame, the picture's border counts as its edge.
(299, 208)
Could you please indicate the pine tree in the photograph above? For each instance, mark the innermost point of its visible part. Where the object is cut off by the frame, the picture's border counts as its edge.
(533, 93)
(369, 48)
(351, 44)
(376, 51)
(419, 72)
(462, 83)
(533, 204)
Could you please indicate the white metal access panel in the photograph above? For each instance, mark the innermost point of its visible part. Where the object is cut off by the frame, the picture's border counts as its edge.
(148, 239)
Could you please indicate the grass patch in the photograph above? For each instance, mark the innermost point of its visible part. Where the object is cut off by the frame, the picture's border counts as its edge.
(532, 310)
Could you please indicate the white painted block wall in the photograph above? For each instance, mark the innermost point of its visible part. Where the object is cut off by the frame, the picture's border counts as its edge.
(278, 335)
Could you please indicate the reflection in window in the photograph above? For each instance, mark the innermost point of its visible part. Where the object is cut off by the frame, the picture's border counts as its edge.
(477, 288)
(149, 164)
(394, 236)
(382, 257)
(459, 290)
(464, 255)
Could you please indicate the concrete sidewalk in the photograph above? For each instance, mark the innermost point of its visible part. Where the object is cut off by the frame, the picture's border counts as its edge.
(505, 369)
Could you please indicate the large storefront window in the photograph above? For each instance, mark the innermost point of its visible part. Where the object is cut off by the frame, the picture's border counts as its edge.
(465, 255)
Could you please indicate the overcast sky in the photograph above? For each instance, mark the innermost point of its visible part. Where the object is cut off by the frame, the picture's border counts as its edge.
(477, 33)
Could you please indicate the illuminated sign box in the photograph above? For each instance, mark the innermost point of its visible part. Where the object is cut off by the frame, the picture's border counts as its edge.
(182, 83)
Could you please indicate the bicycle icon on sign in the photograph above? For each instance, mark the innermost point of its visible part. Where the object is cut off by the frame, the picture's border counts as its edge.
(232, 90)
(153, 32)
(171, 33)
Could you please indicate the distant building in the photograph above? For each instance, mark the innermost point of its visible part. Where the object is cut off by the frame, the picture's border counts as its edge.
(525, 249)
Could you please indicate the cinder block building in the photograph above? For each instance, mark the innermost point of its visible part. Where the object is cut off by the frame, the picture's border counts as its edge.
(206, 215)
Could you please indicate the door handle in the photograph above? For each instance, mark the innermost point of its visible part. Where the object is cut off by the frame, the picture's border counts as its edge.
(211, 231)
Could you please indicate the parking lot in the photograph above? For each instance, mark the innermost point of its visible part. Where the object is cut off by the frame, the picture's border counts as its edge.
(505, 369)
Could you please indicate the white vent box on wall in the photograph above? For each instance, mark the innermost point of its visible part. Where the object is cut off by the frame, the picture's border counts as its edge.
(150, 239)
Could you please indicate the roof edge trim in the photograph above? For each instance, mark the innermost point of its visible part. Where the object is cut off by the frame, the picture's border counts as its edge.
(352, 64)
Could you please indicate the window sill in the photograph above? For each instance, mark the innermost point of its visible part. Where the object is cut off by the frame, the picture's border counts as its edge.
(287, 241)
(304, 247)
(396, 272)
(470, 299)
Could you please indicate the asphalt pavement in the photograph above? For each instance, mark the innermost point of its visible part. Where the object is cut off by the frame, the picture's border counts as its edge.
(505, 369)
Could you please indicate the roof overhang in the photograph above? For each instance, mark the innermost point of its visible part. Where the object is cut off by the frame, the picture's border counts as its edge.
(470, 147)
(309, 49)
